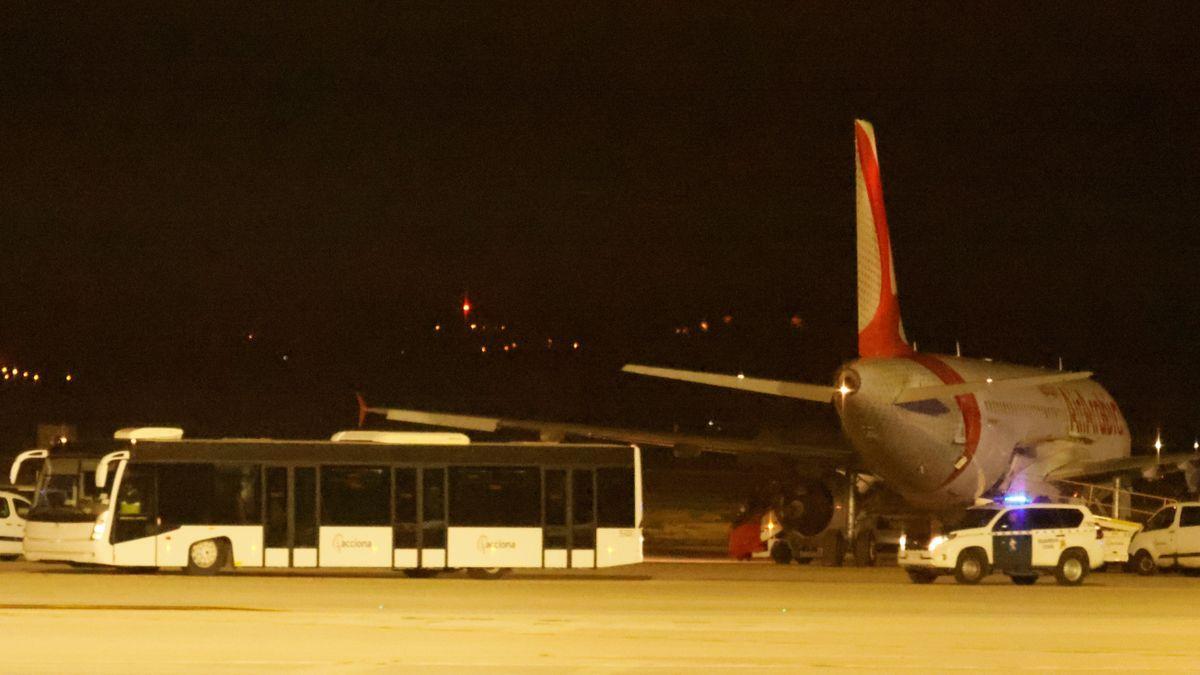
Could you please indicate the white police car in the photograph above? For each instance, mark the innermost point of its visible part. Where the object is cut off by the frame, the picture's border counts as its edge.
(1020, 541)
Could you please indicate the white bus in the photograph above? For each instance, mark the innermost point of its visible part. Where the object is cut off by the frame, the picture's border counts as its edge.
(420, 503)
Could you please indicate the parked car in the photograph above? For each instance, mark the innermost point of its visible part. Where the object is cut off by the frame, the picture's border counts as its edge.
(1021, 541)
(13, 508)
(1171, 538)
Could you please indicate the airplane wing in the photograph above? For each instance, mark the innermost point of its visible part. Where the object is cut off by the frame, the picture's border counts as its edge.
(1106, 468)
(809, 392)
(834, 453)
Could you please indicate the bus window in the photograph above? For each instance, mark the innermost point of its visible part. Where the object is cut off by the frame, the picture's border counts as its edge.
(185, 494)
(305, 504)
(404, 533)
(433, 504)
(235, 498)
(276, 535)
(496, 496)
(555, 500)
(614, 497)
(583, 513)
(354, 495)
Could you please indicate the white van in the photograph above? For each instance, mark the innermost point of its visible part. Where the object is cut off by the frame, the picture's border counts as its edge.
(13, 508)
(1171, 538)
(1021, 541)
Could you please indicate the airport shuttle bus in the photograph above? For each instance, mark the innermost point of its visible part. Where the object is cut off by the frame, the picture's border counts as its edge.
(421, 503)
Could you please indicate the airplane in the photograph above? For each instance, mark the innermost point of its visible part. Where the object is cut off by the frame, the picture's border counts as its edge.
(942, 432)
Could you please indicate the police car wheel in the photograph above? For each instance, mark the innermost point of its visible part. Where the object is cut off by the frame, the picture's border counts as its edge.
(487, 572)
(1143, 563)
(971, 567)
(206, 557)
(1072, 568)
(1024, 580)
(781, 553)
(921, 576)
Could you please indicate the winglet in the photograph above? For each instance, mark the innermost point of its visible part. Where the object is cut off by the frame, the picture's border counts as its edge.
(362, 409)
(880, 330)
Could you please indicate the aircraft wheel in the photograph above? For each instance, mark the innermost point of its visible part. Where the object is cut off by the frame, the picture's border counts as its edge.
(1143, 563)
(972, 567)
(865, 554)
(1023, 579)
(781, 552)
(833, 549)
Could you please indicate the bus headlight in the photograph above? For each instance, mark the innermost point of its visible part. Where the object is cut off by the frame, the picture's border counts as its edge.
(100, 527)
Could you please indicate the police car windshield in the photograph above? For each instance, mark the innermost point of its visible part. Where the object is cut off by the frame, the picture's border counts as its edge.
(974, 518)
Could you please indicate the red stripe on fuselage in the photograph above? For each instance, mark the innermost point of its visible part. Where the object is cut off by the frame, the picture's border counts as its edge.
(972, 425)
(881, 337)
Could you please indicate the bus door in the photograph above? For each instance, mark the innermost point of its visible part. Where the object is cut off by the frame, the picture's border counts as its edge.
(135, 517)
(556, 533)
(432, 542)
(290, 532)
(582, 517)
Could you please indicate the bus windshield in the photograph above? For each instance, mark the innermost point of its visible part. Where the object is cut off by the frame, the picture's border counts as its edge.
(67, 491)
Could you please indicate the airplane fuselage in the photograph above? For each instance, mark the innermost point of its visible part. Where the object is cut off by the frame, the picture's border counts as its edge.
(944, 453)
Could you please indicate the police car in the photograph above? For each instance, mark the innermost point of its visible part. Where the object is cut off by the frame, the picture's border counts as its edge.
(1021, 541)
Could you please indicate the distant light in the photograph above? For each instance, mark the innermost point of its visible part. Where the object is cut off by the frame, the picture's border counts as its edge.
(466, 307)
(844, 389)
(36, 377)
(1016, 499)
(4, 369)
(473, 326)
(727, 319)
(796, 321)
(25, 374)
(575, 345)
(506, 347)
(250, 337)
(711, 423)
(1158, 444)
(503, 327)
(1196, 445)
(62, 439)
(483, 349)
(704, 326)
(989, 380)
(284, 357)
(437, 326)
(741, 376)
(69, 377)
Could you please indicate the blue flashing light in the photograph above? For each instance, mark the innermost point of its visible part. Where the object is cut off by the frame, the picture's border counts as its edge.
(1016, 499)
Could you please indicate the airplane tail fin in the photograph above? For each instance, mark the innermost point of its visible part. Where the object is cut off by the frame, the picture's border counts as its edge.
(880, 330)
(362, 409)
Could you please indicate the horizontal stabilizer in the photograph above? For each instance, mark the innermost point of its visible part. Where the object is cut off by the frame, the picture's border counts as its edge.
(808, 392)
(471, 422)
(948, 390)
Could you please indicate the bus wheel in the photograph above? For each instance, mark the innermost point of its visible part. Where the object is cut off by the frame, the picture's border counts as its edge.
(418, 573)
(207, 557)
(487, 572)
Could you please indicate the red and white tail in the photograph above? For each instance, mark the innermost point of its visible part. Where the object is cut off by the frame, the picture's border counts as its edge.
(880, 331)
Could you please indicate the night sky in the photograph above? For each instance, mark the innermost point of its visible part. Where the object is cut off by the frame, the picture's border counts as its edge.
(331, 182)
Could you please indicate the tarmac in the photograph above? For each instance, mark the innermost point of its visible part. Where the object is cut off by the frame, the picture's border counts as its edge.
(668, 616)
